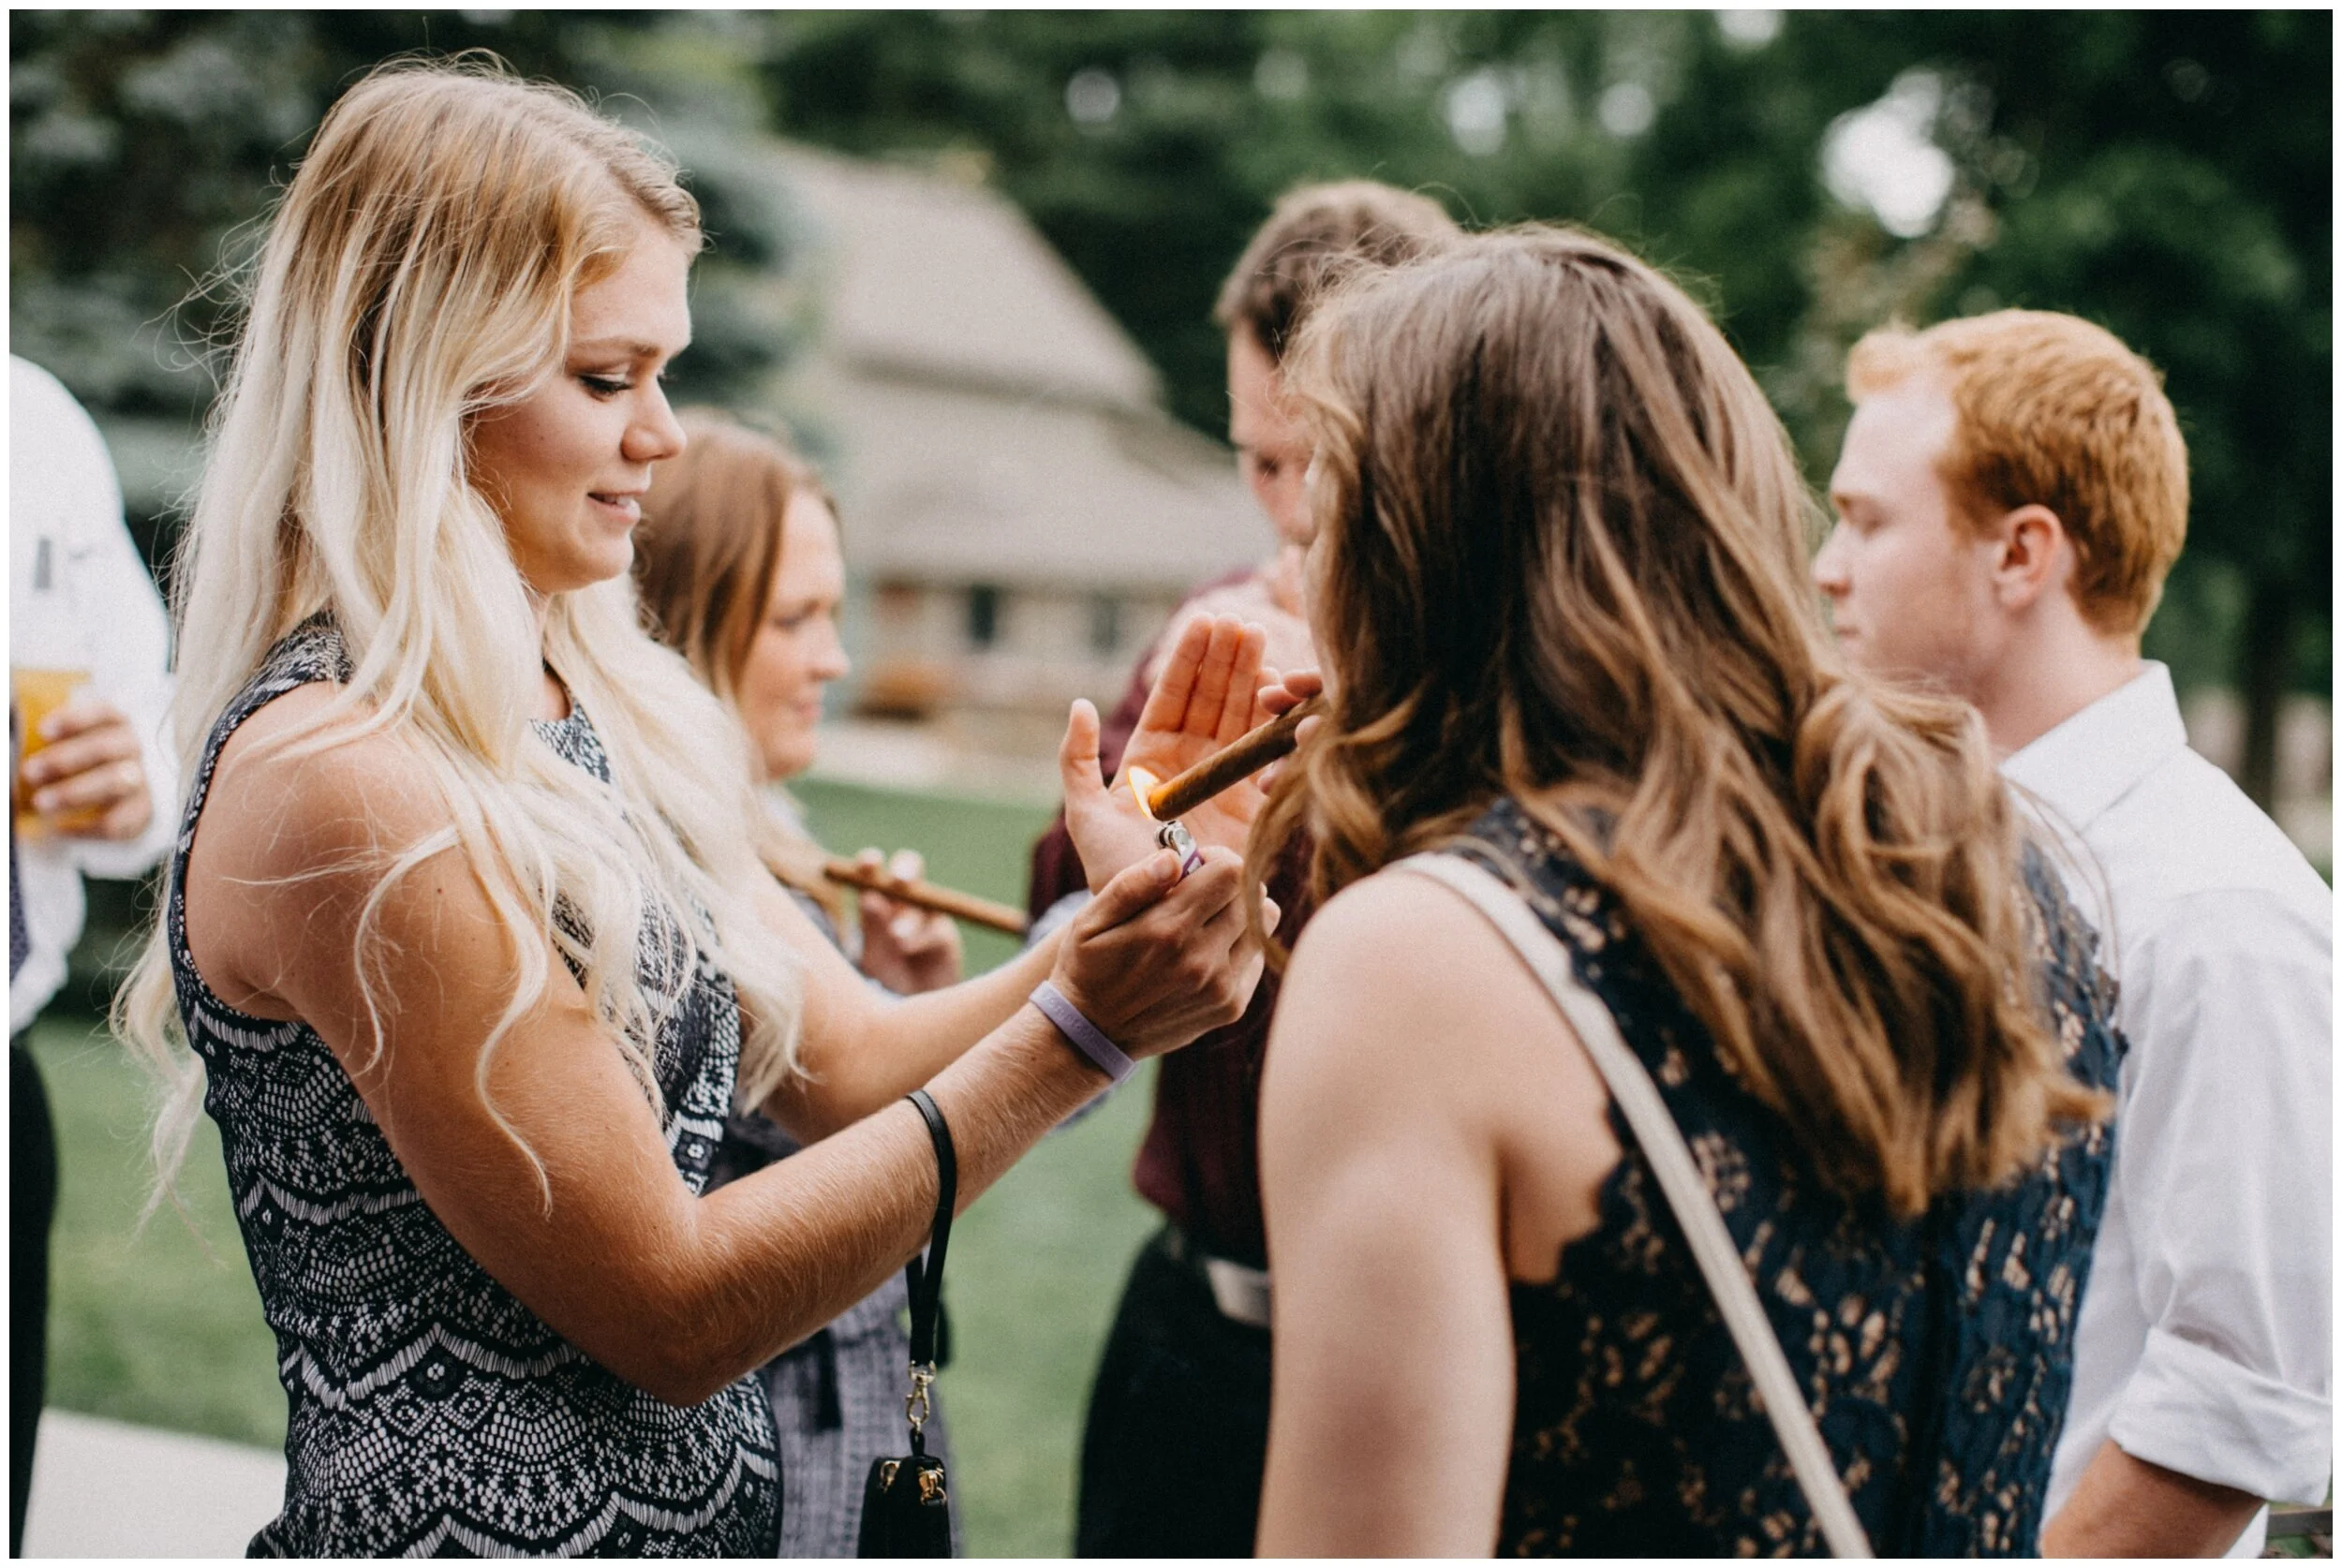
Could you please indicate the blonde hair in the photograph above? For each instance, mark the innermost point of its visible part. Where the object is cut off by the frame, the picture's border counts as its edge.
(419, 272)
(1561, 540)
(2053, 411)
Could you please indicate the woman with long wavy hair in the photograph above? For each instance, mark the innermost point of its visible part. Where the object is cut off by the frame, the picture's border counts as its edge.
(1559, 578)
(467, 933)
(740, 570)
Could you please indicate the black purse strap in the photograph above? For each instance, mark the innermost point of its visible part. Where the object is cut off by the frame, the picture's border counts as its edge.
(925, 1276)
(906, 1502)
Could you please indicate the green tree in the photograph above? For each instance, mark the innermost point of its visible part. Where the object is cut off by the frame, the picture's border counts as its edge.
(2170, 175)
(141, 141)
(145, 147)
(2167, 174)
(1146, 146)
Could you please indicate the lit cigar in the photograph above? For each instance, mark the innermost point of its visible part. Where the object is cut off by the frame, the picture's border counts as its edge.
(1223, 769)
(926, 896)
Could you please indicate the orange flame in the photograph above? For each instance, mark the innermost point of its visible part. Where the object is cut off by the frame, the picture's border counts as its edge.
(1143, 785)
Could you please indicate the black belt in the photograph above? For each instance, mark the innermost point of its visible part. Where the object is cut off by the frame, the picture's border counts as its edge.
(1239, 1290)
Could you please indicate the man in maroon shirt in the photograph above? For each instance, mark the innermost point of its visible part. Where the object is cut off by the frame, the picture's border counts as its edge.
(1178, 1416)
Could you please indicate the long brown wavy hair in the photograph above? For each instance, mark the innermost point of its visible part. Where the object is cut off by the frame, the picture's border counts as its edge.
(704, 560)
(709, 545)
(1562, 558)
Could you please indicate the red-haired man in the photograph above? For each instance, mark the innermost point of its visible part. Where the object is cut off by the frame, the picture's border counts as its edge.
(2013, 490)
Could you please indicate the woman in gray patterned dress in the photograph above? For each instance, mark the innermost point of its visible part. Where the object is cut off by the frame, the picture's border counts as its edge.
(739, 568)
(467, 929)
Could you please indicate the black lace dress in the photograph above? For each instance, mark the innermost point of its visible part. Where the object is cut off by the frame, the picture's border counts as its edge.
(1936, 1355)
(430, 1412)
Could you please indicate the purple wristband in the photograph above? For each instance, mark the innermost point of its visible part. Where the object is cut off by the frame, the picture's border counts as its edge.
(1087, 1038)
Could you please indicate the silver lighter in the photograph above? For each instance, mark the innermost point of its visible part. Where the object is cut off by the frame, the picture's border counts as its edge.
(1173, 835)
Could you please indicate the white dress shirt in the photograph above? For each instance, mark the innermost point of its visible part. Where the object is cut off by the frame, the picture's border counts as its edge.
(2204, 1340)
(63, 503)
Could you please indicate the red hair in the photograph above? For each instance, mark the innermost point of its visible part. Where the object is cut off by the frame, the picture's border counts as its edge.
(2056, 412)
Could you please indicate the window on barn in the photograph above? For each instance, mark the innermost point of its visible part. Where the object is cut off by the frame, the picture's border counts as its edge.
(1106, 624)
(984, 615)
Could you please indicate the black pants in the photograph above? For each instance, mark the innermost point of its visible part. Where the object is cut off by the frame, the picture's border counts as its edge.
(31, 1209)
(1178, 1424)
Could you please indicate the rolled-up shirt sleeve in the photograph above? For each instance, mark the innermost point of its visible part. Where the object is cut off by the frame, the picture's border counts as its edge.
(2226, 1165)
(128, 653)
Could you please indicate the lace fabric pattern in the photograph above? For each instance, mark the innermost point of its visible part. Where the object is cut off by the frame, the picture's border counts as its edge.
(430, 1412)
(1936, 1355)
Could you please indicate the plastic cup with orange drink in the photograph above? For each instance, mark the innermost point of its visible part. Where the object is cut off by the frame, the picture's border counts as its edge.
(36, 693)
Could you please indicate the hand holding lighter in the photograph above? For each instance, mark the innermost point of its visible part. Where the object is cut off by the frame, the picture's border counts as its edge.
(1173, 835)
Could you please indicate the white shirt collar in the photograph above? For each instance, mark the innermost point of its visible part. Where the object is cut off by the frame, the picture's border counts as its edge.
(2088, 763)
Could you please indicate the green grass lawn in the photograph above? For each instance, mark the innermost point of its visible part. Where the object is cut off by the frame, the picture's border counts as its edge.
(162, 1326)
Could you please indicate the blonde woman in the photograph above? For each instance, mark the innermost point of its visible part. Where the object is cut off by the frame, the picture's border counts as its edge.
(1803, 901)
(738, 564)
(467, 931)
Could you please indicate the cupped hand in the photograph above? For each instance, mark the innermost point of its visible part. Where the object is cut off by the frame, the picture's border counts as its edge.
(1207, 697)
(89, 779)
(906, 950)
(1259, 599)
(1156, 959)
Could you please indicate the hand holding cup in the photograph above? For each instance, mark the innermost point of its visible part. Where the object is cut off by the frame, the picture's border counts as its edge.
(82, 773)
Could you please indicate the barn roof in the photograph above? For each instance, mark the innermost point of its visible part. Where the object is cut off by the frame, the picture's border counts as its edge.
(989, 421)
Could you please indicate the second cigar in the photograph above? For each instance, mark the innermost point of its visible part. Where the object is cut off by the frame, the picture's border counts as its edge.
(926, 896)
(1232, 763)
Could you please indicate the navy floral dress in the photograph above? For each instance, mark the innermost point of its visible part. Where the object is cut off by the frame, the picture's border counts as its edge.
(1936, 1355)
(430, 1413)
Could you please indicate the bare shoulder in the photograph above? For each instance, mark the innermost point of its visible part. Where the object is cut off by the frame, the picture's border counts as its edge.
(280, 804)
(293, 837)
(1399, 968)
(1384, 928)
(1410, 1040)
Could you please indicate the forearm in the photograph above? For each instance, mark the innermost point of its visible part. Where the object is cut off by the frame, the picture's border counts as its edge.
(1154, 961)
(2217, 1240)
(543, 1156)
(781, 1252)
(893, 1047)
(682, 1294)
(2126, 1506)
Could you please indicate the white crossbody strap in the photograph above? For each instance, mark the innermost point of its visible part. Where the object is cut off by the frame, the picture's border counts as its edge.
(1687, 1191)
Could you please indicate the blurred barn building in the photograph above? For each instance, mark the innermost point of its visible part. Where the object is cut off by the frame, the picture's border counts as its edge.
(1019, 513)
